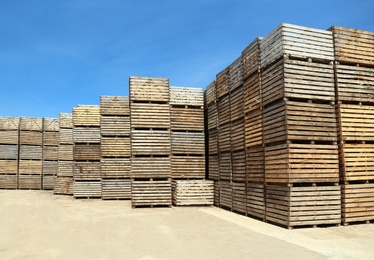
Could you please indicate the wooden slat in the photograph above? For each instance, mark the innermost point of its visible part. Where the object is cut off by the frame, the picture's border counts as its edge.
(51, 124)
(31, 152)
(252, 92)
(187, 143)
(192, 192)
(31, 124)
(31, 137)
(115, 147)
(149, 115)
(65, 169)
(213, 170)
(251, 58)
(86, 115)
(87, 189)
(253, 128)
(235, 74)
(150, 142)
(225, 166)
(115, 167)
(116, 189)
(114, 105)
(9, 137)
(188, 167)
(63, 186)
(8, 181)
(210, 93)
(86, 171)
(222, 83)
(149, 89)
(256, 200)
(357, 202)
(151, 192)
(33, 182)
(187, 118)
(255, 164)
(237, 132)
(186, 96)
(65, 152)
(87, 152)
(50, 153)
(86, 135)
(50, 168)
(238, 166)
(115, 125)
(150, 167)
(51, 138)
(8, 151)
(239, 197)
(8, 166)
(66, 120)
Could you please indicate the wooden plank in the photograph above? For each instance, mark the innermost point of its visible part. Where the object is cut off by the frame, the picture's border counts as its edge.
(84, 152)
(8, 151)
(31, 137)
(148, 192)
(187, 143)
(186, 96)
(48, 182)
(236, 104)
(116, 189)
(32, 182)
(150, 167)
(115, 147)
(8, 181)
(114, 105)
(235, 74)
(256, 200)
(86, 171)
(150, 142)
(51, 124)
(87, 189)
(66, 136)
(150, 115)
(30, 152)
(239, 197)
(213, 141)
(51, 138)
(216, 201)
(254, 128)
(86, 115)
(50, 153)
(65, 169)
(210, 93)
(222, 83)
(225, 166)
(213, 168)
(66, 120)
(188, 167)
(251, 58)
(238, 166)
(86, 135)
(223, 106)
(149, 89)
(252, 89)
(31, 124)
(255, 164)
(115, 125)
(224, 138)
(192, 192)
(212, 116)
(8, 166)
(9, 123)
(9, 137)
(225, 195)
(63, 186)
(190, 118)
(115, 167)
(65, 152)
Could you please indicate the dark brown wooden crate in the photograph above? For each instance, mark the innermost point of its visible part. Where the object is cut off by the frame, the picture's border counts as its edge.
(239, 197)
(254, 128)
(224, 138)
(51, 138)
(225, 166)
(114, 105)
(236, 104)
(225, 195)
(213, 168)
(256, 200)
(251, 58)
(237, 131)
(213, 141)
(238, 166)
(252, 92)
(212, 116)
(255, 164)
(223, 106)
(149, 89)
(183, 166)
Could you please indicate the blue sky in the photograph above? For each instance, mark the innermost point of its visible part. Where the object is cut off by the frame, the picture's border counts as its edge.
(57, 54)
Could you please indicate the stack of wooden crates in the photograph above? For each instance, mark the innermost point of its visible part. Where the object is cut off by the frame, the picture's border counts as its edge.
(115, 147)
(354, 71)
(51, 130)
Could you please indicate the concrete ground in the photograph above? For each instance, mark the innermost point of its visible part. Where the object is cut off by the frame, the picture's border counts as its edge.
(39, 225)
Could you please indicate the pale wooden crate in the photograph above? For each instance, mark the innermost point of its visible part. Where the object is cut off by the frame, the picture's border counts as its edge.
(150, 115)
(225, 166)
(302, 163)
(252, 89)
(355, 122)
(8, 181)
(30, 182)
(34, 167)
(50, 153)
(239, 197)
(65, 169)
(63, 186)
(86, 135)
(115, 147)
(303, 206)
(296, 41)
(151, 192)
(255, 164)
(51, 124)
(9, 137)
(238, 166)
(356, 162)
(298, 79)
(31, 124)
(65, 152)
(357, 202)
(187, 142)
(114, 105)
(213, 141)
(190, 118)
(51, 138)
(149, 89)
(87, 189)
(299, 121)
(8, 151)
(115, 167)
(86, 171)
(186, 96)
(224, 138)
(354, 83)
(353, 46)
(50, 168)
(251, 58)
(91, 152)
(8, 166)
(115, 125)
(212, 116)
(48, 182)
(236, 104)
(9, 123)
(115, 189)
(185, 166)
(235, 74)
(86, 115)
(237, 132)
(66, 120)
(222, 83)
(150, 167)
(66, 136)
(254, 128)
(210, 93)
(225, 195)
(256, 200)
(31, 137)
(150, 142)
(30, 152)
(223, 106)
(192, 192)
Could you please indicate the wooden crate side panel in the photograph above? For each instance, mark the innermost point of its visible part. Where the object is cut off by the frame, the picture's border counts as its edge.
(357, 202)
(66, 136)
(222, 83)
(187, 143)
(50, 168)
(86, 134)
(149, 89)
(274, 123)
(51, 124)
(235, 75)
(150, 167)
(114, 105)
(33, 182)
(50, 153)
(187, 119)
(51, 138)
(115, 167)
(256, 200)
(239, 197)
(31, 124)
(154, 142)
(86, 115)
(192, 192)
(225, 166)
(90, 152)
(66, 120)
(115, 125)
(213, 168)
(151, 193)
(188, 167)
(65, 169)
(8, 151)
(225, 195)
(30, 167)
(224, 138)
(252, 92)
(8, 166)
(31, 152)
(63, 186)
(186, 96)
(116, 189)
(115, 146)
(212, 116)
(87, 171)
(237, 131)
(31, 137)
(251, 58)
(213, 141)
(272, 83)
(255, 164)
(236, 104)
(276, 164)
(87, 189)
(238, 166)
(254, 128)
(65, 152)
(210, 93)
(9, 137)
(8, 181)
(150, 115)
(223, 106)
(9, 123)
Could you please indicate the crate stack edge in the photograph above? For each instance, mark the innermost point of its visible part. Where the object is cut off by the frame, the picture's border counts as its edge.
(51, 139)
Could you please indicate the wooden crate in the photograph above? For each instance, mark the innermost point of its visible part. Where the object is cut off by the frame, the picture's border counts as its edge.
(256, 200)
(30, 152)
(150, 142)
(216, 187)
(225, 166)
(354, 83)
(212, 116)
(252, 91)
(302, 163)
(8, 151)
(356, 162)
(187, 142)
(31, 124)
(236, 103)
(296, 41)
(86, 115)
(9, 123)
(238, 166)
(8, 166)
(66, 136)
(356, 122)
(353, 46)
(63, 186)
(235, 74)
(222, 83)
(8, 181)
(150, 115)
(303, 206)
(251, 58)
(87, 189)
(115, 126)
(50, 153)
(149, 89)
(223, 106)
(255, 163)
(84, 171)
(224, 138)
(48, 182)
(66, 120)
(50, 168)
(297, 79)
(254, 128)
(225, 195)
(115, 147)
(187, 96)
(115, 189)
(30, 182)
(151, 192)
(213, 167)
(213, 141)
(51, 124)
(190, 118)
(150, 167)
(65, 152)
(51, 138)
(31, 137)
(186, 166)
(114, 105)
(299, 121)
(115, 167)
(86, 135)
(8, 136)
(210, 93)
(357, 203)
(237, 132)
(192, 192)
(91, 152)
(65, 168)
(239, 197)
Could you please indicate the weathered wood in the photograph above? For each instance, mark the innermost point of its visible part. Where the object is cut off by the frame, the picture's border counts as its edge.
(115, 147)
(51, 138)
(254, 128)
(30, 152)
(114, 105)
(86, 115)
(190, 118)
(149, 89)
(222, 83)
(151, 192)
(86, 171)
(150, 142)
(51, 124)
(84, 152)
(63, 186)
(31, 124)
(236, 104)
(235, 74)
(86, 135)
(87, 189)
(216, 193)
(225, 193)
(237, 132)
(210, 93)
(224, 138)
(186, 96)
(188, 167)
(65, 169)
(213, 168)
(239, 197)
(8, 151)
(187, 143)
(115, 126)
(115, 167)
(251, 58)
(223, 106)
(150, 115)
(66, 120)
(8, 166)
(65, 152)
(8, 181)
(30, 167)
(212, 116)
(32, 182)
(252, 91)
(50, 168)
(150, 167)
(225, 166)
(66, 136)
(115, 189)
(192, 192)
(256, 200)
(9, 123)
(31, 137)
(213, 141)
(238, 166)
(48, 182)
(255, 164)
(50, 153)
(9, 137)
